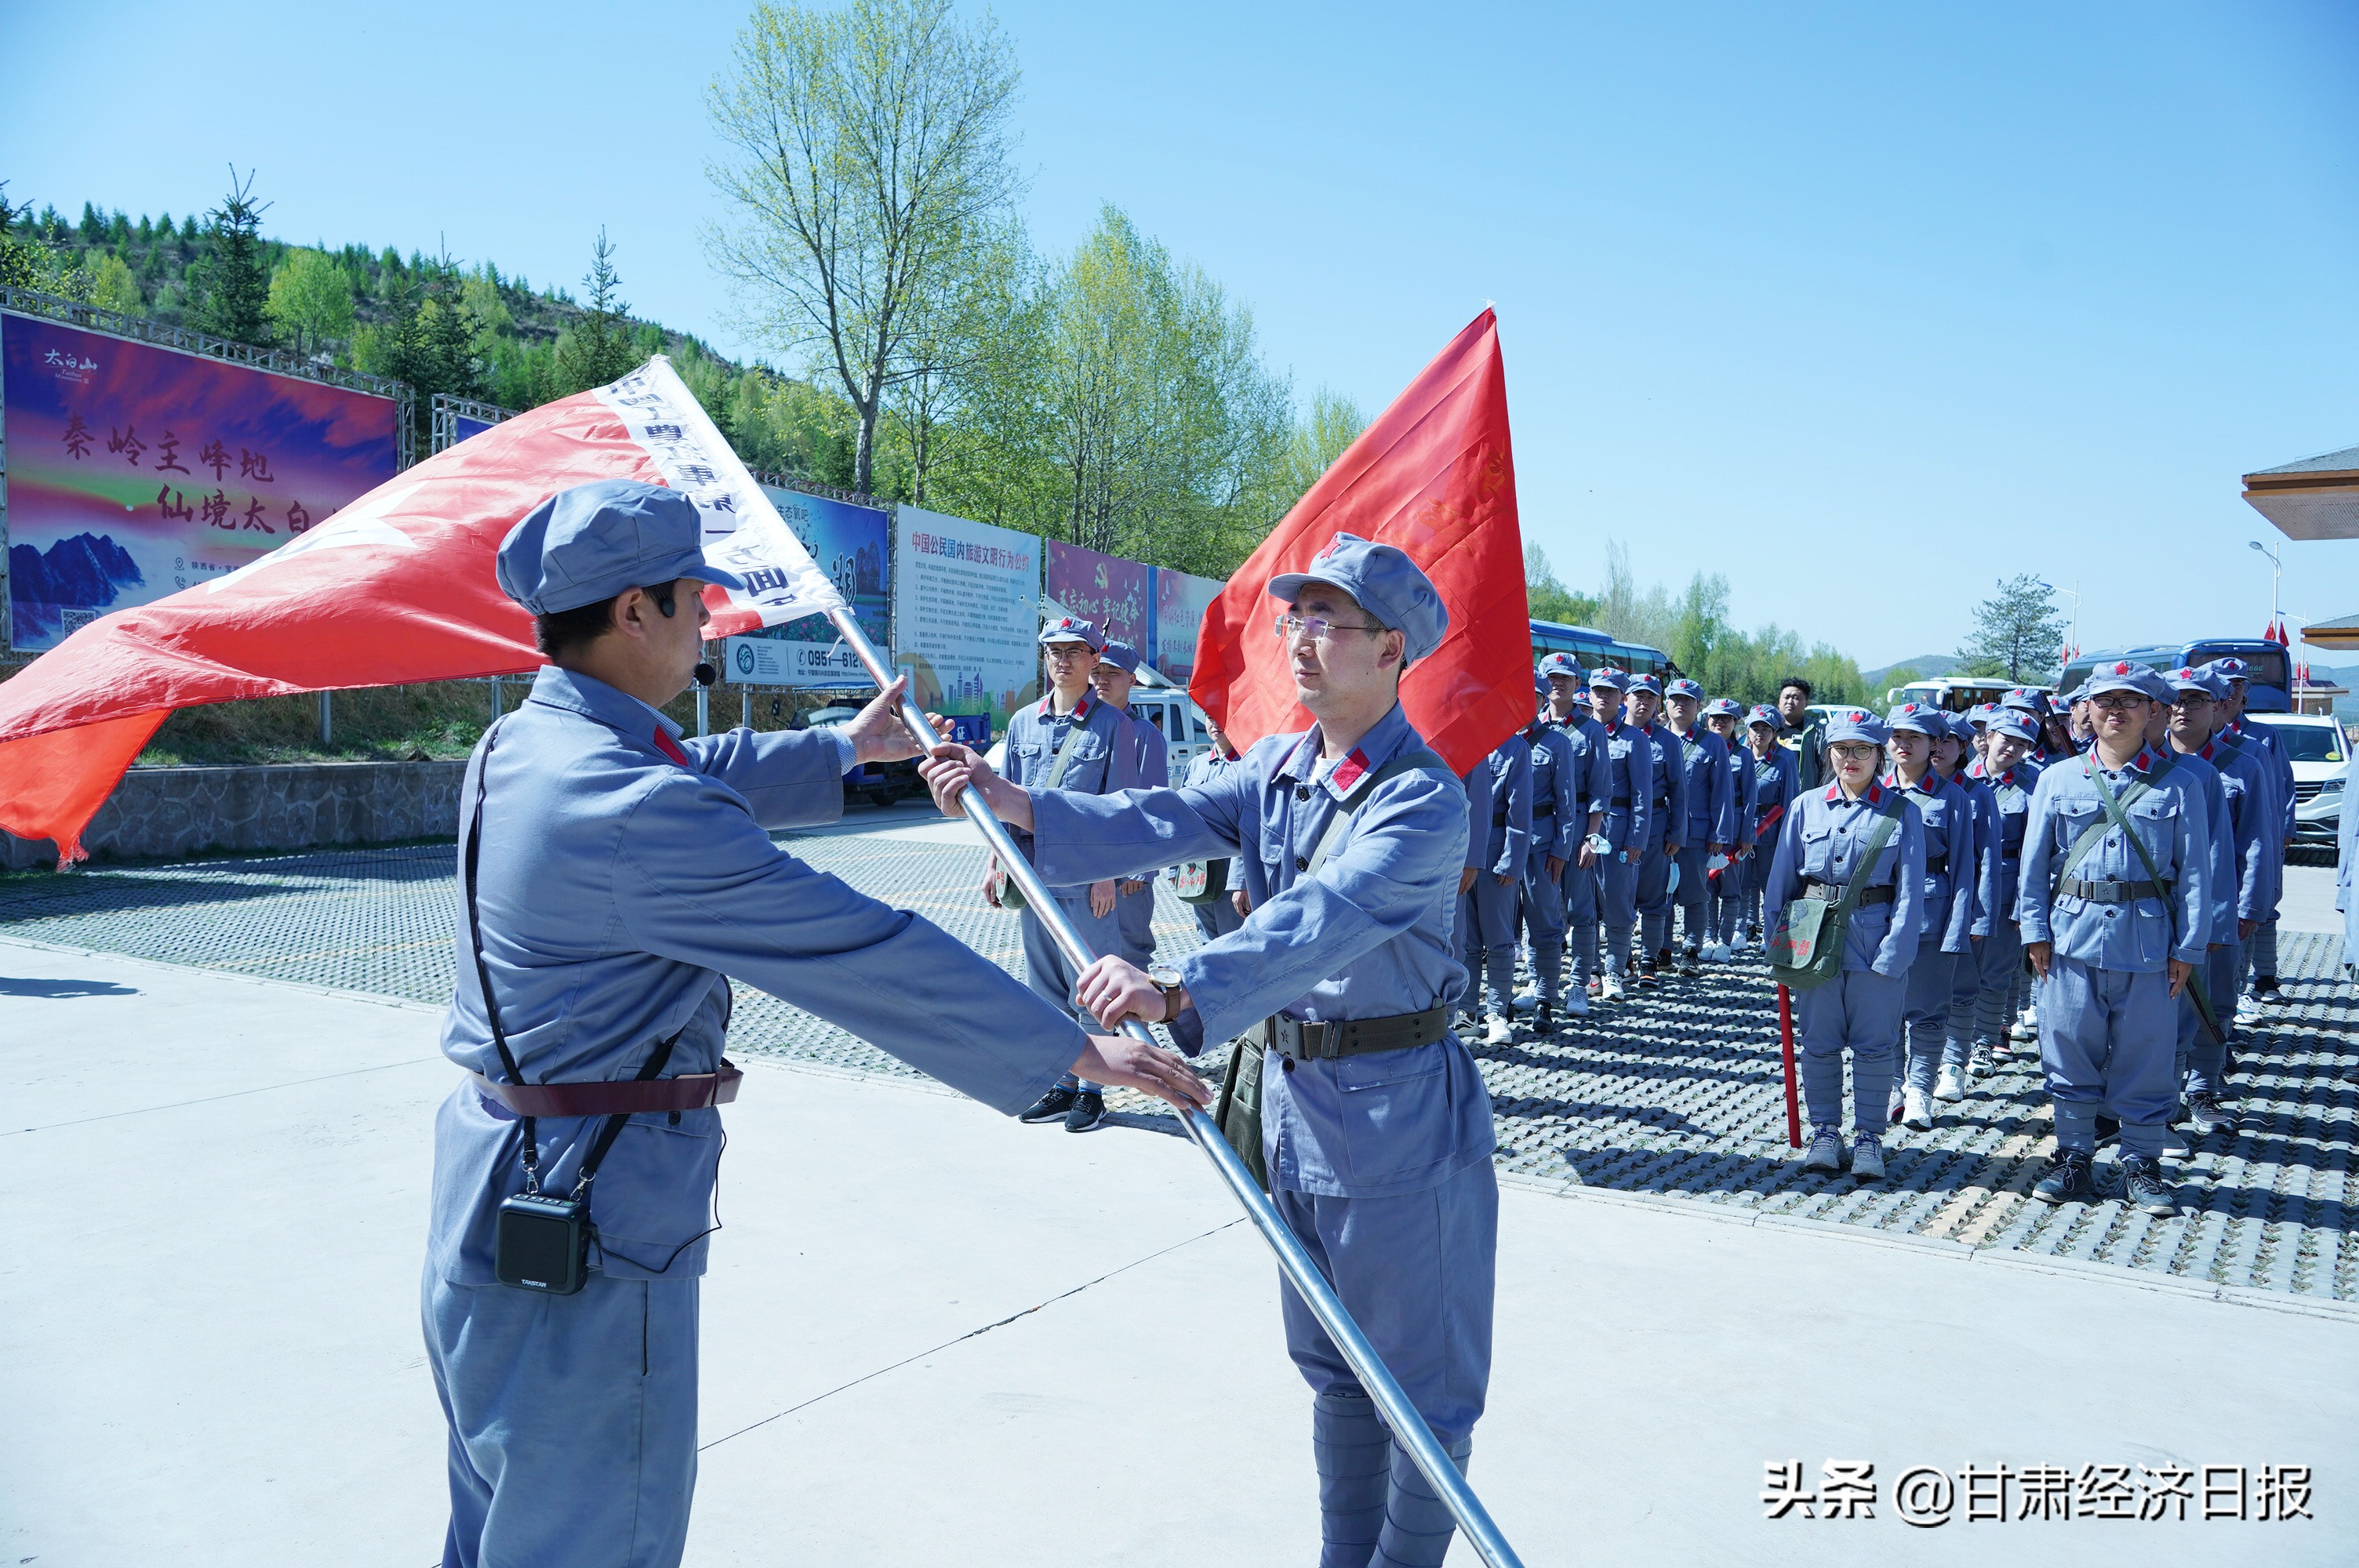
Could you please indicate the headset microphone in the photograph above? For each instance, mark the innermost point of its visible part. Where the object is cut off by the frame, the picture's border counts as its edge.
(706, 674)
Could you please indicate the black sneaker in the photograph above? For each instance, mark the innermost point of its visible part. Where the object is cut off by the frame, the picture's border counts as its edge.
(1088, 1109)
(1544, 1020)
(1691, 963)
(1053, 1106)
(2266, 987)
(2204, 1109)
(1648, 973)
(2108, 1131)
(2068, 1179)
(2143, 1187)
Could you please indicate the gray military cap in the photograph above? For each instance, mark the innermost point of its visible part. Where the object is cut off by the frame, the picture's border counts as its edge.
(590, 543)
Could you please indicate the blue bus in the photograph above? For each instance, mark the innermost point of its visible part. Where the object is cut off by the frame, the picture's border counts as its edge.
(1592, 648)
(2268, 687)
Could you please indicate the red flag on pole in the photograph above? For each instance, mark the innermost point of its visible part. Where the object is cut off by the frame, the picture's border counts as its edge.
(1434, 475)
(397, 587)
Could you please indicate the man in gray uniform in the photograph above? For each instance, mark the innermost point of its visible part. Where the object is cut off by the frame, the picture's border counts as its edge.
(1377, 1128)
(614, 873)
(1069, 739)
(1142, 760)
(1219, 915)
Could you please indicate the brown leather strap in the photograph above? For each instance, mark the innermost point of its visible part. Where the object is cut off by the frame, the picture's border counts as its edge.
(694, 1092)
(1307, 1042)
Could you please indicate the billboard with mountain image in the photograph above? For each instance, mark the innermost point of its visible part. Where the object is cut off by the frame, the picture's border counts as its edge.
(135, 471)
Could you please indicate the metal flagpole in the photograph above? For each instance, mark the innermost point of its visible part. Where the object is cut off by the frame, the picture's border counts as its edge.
(1408, 1427)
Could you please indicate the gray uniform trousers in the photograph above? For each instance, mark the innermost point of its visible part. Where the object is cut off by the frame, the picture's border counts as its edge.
(1858, 1009)
(627, 1449)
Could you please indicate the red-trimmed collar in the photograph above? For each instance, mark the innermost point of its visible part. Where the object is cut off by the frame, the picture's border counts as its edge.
(2143, 763)
(1929, 785)
(1874, 795)
(1080, 709)
(1350, 771)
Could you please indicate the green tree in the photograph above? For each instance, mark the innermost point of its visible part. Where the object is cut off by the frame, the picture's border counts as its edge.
(234, 282)
(2019, 633)
(870, 158)
(597, 348)
(1166, 433)
(311, 300)
(1550, 598)
(112, 284)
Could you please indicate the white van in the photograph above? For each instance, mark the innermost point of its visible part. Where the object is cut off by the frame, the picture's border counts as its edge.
(1169, 709)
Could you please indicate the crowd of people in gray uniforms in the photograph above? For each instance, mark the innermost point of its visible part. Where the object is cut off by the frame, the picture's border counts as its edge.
(2093, 876)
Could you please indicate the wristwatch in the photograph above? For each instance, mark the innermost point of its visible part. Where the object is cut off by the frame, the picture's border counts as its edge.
(1165, 979)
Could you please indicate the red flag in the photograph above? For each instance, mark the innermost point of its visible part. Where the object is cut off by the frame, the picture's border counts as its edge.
(397, 587)
(1436, 476)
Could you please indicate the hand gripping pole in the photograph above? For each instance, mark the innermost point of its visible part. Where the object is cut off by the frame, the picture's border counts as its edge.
(1409, 1428)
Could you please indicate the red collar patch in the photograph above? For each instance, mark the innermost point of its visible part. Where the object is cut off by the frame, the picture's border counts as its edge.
(1081, 708)
(669, 747)
(1348, 771)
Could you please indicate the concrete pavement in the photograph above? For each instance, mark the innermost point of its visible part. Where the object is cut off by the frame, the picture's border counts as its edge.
(933, 1336)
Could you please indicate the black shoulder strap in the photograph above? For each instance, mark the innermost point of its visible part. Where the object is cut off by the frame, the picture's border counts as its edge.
(655, 1064)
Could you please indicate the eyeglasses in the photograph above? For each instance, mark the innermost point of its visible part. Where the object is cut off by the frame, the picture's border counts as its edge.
(1854, 750)
(1060, 652)
(1290, 625)
(2115, 702)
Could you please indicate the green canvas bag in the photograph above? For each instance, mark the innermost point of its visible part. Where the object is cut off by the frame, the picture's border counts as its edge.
(1807, 949)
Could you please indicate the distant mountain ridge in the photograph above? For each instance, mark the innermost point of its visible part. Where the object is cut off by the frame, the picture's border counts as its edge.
(87, 569)
(1927, 666)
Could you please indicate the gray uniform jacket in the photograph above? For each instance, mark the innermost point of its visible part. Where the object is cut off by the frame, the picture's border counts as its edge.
(2172, 821)
(619, 887)
(1367, 936)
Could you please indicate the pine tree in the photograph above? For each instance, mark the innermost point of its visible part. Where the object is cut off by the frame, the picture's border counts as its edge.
(234, 284)
(2019, 633)
(597, 349)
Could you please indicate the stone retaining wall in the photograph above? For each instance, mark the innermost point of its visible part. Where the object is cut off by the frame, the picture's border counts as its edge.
(163, 813)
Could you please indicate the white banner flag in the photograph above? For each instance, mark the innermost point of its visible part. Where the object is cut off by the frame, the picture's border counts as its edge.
(743, 532)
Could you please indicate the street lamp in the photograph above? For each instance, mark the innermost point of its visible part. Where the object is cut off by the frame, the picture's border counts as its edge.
(2276, 571)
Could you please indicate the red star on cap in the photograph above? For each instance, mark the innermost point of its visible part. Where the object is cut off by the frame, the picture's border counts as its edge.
(2121, 669)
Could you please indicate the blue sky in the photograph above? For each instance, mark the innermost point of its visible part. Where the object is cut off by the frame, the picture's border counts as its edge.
(1865, 306)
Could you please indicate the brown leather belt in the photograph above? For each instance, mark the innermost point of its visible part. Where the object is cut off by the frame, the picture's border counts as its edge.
(1308, 1042)
(696, 1091)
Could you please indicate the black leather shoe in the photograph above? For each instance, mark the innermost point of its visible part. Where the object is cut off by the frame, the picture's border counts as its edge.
(1053, 1106)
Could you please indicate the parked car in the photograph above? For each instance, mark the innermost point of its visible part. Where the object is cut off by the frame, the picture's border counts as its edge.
(882, 782)
(2320, 756)
(1952, 693)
